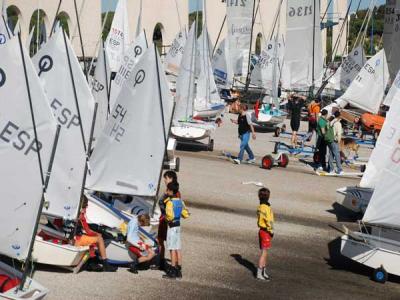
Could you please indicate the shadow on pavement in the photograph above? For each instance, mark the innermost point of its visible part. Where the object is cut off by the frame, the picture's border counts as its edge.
(245, 263)
(343, 214)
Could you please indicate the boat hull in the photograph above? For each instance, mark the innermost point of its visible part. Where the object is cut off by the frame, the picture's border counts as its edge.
(32, 290)
(101, 213)
(210, 113)
(189, 133)
(118, 253)
(373, 251)
(354, 198)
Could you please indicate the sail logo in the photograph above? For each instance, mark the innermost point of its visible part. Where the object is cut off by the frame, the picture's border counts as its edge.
(21, 140)
(244, 29)
(16, 248)
(45, 64)
(117, 131)
(67, 207)
(240, 3)
(3, 39)
(3, 77)
(64, 115)
(97, 86)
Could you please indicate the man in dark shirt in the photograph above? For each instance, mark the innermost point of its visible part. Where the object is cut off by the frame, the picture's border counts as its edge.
(245, 129)
(295, 106)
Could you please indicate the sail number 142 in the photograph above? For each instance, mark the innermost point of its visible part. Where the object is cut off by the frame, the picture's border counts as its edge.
(301, 11)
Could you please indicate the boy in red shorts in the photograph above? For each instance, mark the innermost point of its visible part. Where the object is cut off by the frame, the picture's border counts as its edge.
(266, 231)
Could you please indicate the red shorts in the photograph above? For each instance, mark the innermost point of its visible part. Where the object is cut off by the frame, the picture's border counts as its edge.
(162, 229)
(264, 239)
(136, 251)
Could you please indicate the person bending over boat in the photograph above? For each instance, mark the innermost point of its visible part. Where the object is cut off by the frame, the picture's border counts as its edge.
(143, 252)
(245, 129)
(295, 106)
(313, 114)
(86, 237)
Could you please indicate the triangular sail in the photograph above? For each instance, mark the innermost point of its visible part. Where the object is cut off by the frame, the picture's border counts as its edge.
(223, 72)
(129, 153)
(239, 18)
(101, 89)
(5, 32)
(185, 88)
(21, 184)
(303, 45)
(129, 60)
(384, 206)
(118, 40)
(367, 89)
(390, 31)
(262, 74)
(175, 53)
(349, 68)
(51, 62)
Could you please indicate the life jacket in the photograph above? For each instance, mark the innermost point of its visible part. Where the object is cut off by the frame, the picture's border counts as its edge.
(177, 207)
(7, 283)
(257, 108)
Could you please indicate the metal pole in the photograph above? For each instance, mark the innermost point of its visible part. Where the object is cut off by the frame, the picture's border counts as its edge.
(81, 41)
(219, 35)
(251, 42)
(106, 74)
(44, 183)
(74, 90)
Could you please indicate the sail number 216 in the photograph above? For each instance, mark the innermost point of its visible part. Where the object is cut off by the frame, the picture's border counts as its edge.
(301, 11)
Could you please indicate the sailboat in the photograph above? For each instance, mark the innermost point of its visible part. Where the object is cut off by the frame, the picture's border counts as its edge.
(73, 105)
(117, 164)
(223, 72)
(377, 245)
(28, 133)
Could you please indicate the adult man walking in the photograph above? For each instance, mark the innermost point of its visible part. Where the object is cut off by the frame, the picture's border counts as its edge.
(245, 129)
(295, 105)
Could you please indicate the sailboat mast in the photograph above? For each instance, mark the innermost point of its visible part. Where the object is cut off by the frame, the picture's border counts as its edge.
(251, 42)
(106, 76)
(44, 181)
(81, 40)
(55, 18)
(313, 54)
(219, 35)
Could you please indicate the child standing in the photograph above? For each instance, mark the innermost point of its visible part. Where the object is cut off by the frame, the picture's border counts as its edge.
(266, 231)
(174, 210)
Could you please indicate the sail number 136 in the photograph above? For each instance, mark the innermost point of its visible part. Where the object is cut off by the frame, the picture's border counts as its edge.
(301, 11)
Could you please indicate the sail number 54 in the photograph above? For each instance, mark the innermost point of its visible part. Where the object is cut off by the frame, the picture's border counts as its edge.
(300, 11)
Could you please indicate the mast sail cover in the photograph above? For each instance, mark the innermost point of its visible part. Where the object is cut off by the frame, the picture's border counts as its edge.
(239, 16)
(384, 206)
(223, 72)
(367, 89)
(21, 185)
(118, 39)
(175, 53)
(129, 153)
(386, 142)
(51, 62)
(303, 45)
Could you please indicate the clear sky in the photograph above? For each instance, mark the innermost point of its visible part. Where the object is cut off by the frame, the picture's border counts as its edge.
(110, 4)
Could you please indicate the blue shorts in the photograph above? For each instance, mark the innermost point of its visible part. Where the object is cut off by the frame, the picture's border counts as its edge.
(174, 238)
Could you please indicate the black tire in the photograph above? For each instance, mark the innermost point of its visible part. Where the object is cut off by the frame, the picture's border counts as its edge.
(277, 132)
(267, 162)
(211, 146)
(362, 168)
(177, 164)
(283, 160)
(380, 275)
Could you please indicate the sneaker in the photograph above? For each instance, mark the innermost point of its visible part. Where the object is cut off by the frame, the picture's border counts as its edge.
(236, 161)
(340, 172)
(260, 275)
(265, 275)
(320, 169)
(251, 161)
(108, 267)
(178, 272)
(171, 274)
(133, 268)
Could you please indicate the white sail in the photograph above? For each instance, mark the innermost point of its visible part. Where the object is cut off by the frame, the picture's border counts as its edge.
(386, 142)
(388, 29)
(21, 184)
(349, 68)
(262, 74)
(5, 32)
(118, 40)
(129, 154)
(391, 45)
(384, 208)
(239, 18)
(185, 89)
(129, 60)
(139, 21)
(303, 45)
(367, 89)
(51, 62)
(223, 72)
(101, 90)
(175, 53)
(206, 90)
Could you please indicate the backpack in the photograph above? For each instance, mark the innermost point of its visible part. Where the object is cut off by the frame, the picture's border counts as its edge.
(329, 136)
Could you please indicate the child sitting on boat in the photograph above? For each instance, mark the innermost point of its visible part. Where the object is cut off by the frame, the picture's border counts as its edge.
(266, 231)
(174, 210)
(143, 252)
(87, 237)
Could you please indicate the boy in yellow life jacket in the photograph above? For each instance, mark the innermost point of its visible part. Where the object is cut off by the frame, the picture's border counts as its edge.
(266, 231)
(174, 210)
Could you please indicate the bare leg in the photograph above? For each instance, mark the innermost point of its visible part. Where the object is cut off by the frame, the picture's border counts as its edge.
(149, 257)
(179, 257)
(174, 257)
(101, 246)
(262, 262)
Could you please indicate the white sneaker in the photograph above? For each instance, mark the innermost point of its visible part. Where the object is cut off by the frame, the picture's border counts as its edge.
(236, 161)
(340, 173)
(251, 161)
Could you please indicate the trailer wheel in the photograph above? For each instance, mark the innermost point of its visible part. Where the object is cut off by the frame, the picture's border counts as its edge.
(177, 164)
(277, 132)
(211, 146)
(283, 160)
(267, 162)
(380, 275)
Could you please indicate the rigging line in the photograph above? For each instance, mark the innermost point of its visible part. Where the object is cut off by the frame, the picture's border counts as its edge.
(179, 16)
(99, 41)
(80, 36)
(364, 26)
(55, 19)
(251, 42)
(275, 20)
(262, 24)
(326, 11)
(219, 35)
(38, 25)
